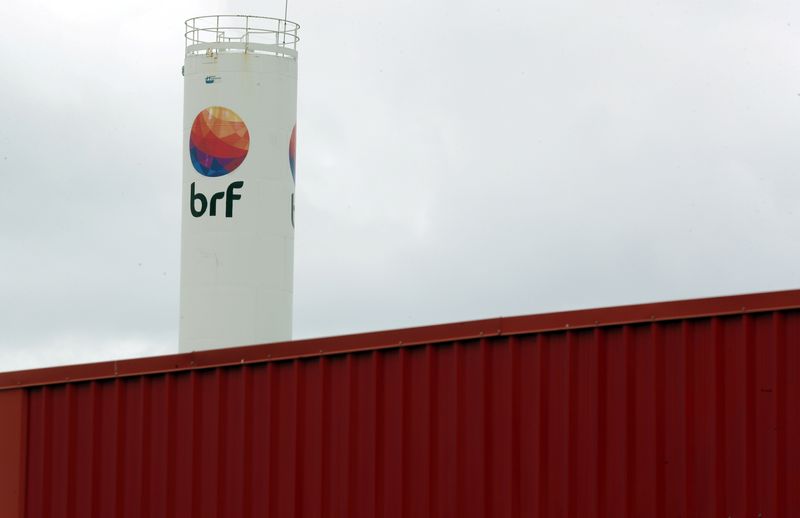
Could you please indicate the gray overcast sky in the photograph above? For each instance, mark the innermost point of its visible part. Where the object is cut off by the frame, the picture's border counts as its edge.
(456, 160)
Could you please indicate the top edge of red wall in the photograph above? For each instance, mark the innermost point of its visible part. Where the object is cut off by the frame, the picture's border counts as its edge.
(500, 326)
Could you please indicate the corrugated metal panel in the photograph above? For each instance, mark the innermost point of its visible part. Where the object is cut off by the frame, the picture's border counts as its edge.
(668, 418)
(12, 452)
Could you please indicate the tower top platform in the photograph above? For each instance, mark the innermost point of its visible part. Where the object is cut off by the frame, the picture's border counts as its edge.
(242, 34)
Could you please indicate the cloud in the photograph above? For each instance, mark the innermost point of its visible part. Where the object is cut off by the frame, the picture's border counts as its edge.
(457, 161)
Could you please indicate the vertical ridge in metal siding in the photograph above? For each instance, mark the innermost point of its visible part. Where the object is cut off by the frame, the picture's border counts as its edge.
(778, 328)
(572, 416)
(660, 397)
(378, 444)
(515, 424)
(689, 452)
(299, 426)
(542, 425)
(14, 408)
(460, 430)
(433, 431)
(692, 417)
(792, 448)
(599, 343)
(750, 417)
(246, 438)
(720, 416)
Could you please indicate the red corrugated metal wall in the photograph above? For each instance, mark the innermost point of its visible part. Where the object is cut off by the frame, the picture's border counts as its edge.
(694, 417)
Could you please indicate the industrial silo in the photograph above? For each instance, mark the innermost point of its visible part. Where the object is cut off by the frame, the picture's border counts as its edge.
(237, 228)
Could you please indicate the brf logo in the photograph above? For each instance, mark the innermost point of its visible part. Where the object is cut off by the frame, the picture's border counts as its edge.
(218, 144)
(198, 203)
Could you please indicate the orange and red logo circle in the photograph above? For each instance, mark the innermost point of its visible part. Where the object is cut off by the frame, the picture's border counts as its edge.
(293, 150)
(218, 142)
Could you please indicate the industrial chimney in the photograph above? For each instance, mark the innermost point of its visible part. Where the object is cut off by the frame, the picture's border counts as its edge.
(237, 215)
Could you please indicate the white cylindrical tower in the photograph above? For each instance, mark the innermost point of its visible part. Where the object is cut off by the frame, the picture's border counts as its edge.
(237, 220)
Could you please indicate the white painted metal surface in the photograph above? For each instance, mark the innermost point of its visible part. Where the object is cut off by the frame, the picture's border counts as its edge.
(237, 229)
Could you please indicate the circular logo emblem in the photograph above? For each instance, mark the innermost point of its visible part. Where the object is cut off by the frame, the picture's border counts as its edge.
(218, 142)
(292, 148)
